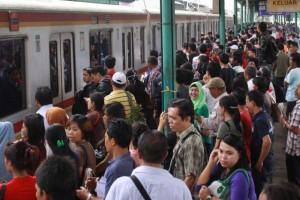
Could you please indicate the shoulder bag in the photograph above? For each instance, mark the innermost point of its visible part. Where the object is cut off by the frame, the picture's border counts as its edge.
(140, 187)
(87, 171)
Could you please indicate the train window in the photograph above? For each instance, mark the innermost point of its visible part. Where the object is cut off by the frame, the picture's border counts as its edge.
(142, 43)
(67, 65)
(100, 46)
(182, 34)
(195, 30)
(154, 37)
(53, 68)
(12, 76)
(188, 34)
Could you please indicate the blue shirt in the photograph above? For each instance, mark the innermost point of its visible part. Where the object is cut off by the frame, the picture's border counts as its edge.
(262, 126)
(120, 166)
(293, 78)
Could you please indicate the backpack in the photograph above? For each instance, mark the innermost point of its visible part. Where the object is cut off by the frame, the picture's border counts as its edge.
(271, 51)
(79, 105)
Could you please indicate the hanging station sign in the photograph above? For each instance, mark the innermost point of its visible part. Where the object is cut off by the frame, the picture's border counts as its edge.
(279, 6)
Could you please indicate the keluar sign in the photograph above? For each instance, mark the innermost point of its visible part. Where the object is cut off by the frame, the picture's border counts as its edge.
(279, 6)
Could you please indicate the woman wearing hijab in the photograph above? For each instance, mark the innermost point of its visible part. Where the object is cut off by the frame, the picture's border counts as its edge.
(57, 115)
(200, 107)
(6, 135)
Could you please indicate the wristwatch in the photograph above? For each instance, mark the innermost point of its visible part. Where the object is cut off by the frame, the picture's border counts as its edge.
(208, 197)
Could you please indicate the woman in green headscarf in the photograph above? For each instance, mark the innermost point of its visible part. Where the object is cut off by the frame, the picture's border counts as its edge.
(200, 106)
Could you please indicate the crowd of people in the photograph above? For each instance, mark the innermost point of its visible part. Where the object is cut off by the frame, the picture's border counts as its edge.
(221, 127)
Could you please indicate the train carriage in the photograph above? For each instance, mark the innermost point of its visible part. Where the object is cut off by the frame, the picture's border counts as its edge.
(48, 43)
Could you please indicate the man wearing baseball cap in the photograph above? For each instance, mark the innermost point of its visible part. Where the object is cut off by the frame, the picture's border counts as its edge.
(118, 94)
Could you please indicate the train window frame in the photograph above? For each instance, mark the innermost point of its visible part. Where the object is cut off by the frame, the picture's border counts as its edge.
(153, 33)
(67, 65)
(53, 61)
(12, 60)
(99, 60)
(142, 44)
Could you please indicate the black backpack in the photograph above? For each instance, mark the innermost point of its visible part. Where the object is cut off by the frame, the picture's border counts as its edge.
(79, 106)
(271, 51)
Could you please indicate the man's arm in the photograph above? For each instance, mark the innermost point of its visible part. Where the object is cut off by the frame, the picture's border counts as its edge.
(190, 181)
(266, 146)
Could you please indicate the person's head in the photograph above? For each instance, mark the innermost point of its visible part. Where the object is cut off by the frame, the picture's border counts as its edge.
(20, 156)
(260, 84)
(49, 172)
(33, 129)
(56, 115)
(240, 95)
(232, 152)
(180, 114)
(154, 53)
(187, 66)
(138, 128)
(192, 47)
(56, 141)
(95, 101)
(110, 62)
(213, 70)
(250, 72)
(112, 111)
(280, 47)
(152, 147)
(262, 27)
(293, 47)
(279, 191)
(79, 128)
(254, 100)
(229, 105)
(203, 49)
(152, 62)
(216, 87)
(224, 58)
(98, 74)
(239, 81)
(87, 74)
(118, 134)
(131, 75)
(196, 91)
(118, 80)
(43, 96)
(295, 59)
(297, 91)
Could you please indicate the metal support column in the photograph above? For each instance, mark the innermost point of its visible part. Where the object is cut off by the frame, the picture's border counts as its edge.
(168, 50)
(235, 18)
(222, 21)
(242, 15)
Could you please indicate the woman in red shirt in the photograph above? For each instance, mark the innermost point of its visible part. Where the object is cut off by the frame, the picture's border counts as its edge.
(18, 158)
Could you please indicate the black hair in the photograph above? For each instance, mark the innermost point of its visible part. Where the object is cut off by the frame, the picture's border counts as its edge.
(251, 71)
(110, 61)
(131, 75)
(296, 58)
(121, 131)
(100, 70)
(83, 124)
(152, 60)
(282, 190)
(138, 128)
(214, 69)
(54, 169)
(280, 46)
(192, 46)
(35, 129)
(44, 95)
(240, 95)
(257, 97)
(239, 81)
(262, 26)
(57, 140)
(224, 58)
(187, 66)
(153, 146)
(114, 110)
(185, 108)
(98, 100)
(22, 155)
(154, 53)
(230, 105)
(203, 48)
(88, 70)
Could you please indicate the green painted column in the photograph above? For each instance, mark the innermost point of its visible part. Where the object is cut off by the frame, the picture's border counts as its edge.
(251, 13)
(242, 15)
(235, 18)
(168, 50)
(222, 21)
(296, 23)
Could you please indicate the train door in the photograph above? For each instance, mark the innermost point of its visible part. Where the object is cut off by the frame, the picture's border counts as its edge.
(62, 68)
(128, 50)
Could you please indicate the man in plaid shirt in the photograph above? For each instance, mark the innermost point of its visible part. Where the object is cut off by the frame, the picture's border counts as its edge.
(293, 141)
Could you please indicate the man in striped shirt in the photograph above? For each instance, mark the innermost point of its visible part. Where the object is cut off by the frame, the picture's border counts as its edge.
(118, 94)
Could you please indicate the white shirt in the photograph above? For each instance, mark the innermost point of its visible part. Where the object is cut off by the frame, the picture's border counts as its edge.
(208, 98)
(42, 111)
(250, 84)
(158, 183)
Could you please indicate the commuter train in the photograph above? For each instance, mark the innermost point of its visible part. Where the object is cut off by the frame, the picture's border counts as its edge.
(48, 43)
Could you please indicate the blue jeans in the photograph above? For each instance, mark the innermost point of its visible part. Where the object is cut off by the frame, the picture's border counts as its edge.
(263, 177)
(293, 169)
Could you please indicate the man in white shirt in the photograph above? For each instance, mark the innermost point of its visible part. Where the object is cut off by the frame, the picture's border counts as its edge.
(157, 182)
(43, 101)
(249, 74)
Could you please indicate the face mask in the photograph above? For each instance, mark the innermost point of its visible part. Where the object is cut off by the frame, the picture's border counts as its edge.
(48, 150)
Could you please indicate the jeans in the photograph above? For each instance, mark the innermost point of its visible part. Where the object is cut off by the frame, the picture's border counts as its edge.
(263, 177)
(293, 169)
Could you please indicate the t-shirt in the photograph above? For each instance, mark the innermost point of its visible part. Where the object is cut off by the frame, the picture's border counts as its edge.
(293, 78)
(224, 128)
(247, 128)
(21, 188)
(262, 126)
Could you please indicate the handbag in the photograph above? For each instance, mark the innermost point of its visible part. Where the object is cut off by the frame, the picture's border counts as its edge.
(87, 172)
(100, 151)
(2, 191)
(275, 110)
(220, 188)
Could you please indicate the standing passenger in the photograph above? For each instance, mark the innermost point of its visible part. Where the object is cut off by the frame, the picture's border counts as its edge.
(43, 100)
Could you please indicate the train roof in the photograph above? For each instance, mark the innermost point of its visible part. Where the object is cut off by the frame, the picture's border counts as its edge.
(57, 6)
